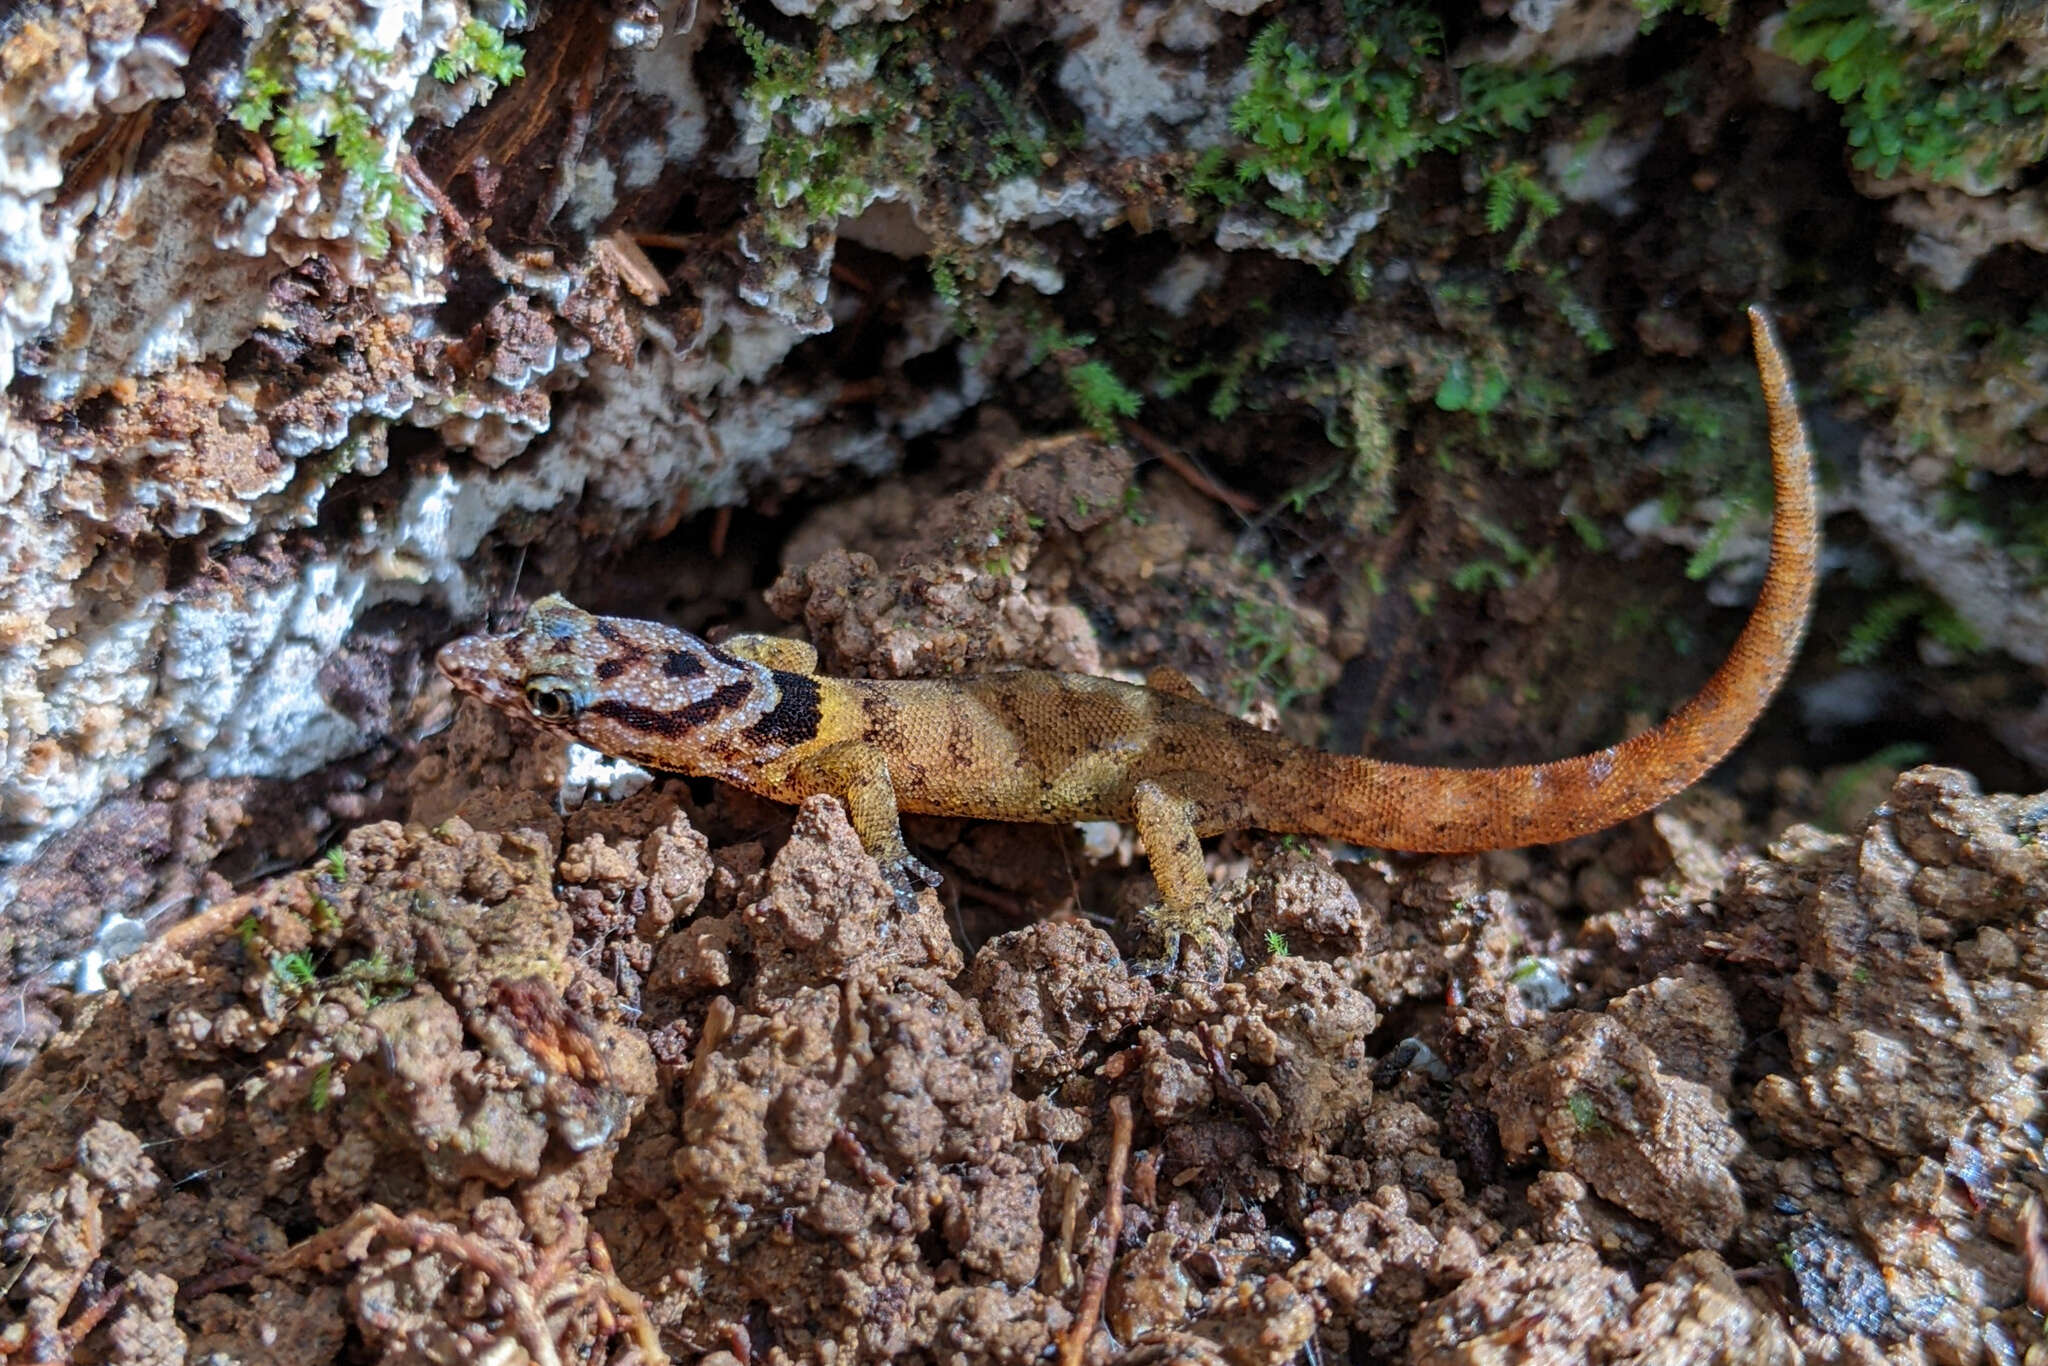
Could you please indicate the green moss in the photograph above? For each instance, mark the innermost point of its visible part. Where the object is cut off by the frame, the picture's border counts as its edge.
(1886, 620)
(1513, 560)
(1960, 385)
(1472, 386)
(1100, 397)
(1267, 649)
(844, 116)
(1963, 109)
(1653, 11)
(295, 968)
(1514, 192)
(314, 125)
(1317, 132)
(1229, 372)
(481, 50)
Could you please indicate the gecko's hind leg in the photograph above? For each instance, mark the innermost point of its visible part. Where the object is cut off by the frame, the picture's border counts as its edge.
(1188, 914)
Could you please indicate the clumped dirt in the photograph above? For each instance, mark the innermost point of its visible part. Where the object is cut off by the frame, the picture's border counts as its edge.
(674, 1078)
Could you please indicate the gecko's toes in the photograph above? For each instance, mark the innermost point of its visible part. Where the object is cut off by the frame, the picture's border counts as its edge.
(907, 876)
(1195, 946)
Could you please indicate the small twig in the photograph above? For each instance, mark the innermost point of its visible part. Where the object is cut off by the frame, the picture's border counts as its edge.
(2037, 1256)
(436, 198)
(427, 1235)
(1166, 455)
(860, 391)
(674, 241)
(88, 1319)
(465, 231)
(721, 527)
(645, 1336)
(1097, 1282)
(181, 940)
(1233, 1089)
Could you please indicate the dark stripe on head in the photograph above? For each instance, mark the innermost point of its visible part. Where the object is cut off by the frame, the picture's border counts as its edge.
(608, 669)
(796, 715)
(682, 664)
(608, 631)
(673, 725)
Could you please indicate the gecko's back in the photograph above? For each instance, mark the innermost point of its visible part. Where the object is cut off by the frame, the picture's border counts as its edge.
(1033, 745)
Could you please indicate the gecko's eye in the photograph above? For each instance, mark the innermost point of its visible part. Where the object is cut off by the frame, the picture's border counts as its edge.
(551, 699)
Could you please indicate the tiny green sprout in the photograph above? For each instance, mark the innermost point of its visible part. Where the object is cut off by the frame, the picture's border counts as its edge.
(945, 280)
(1860, 975)
(322, 1087)
(296, 968)
(1708, 555)
(1584, 1114)
(258, 101)
(325, 917)
(1462, 390)
(1479, 575)
(337, 863)
(1276, 944)
(246, 930)
(1034, 521)
(1134, 512)
(1587, 530)
(297, 141)
(1100, 397)
(481, 49)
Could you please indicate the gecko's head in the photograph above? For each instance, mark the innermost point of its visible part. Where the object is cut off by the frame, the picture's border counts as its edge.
(635, 689)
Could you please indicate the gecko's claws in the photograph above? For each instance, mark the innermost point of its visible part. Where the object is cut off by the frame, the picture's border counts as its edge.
(906, 876)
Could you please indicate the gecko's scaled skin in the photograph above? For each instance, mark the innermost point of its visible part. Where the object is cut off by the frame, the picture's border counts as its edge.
(1036, 746)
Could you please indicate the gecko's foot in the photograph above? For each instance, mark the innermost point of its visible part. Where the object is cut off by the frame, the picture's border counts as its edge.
(1164, 964)
(907, 876)
(1197, 951)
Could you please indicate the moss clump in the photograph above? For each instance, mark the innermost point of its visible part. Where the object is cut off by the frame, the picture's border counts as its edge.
(840, 120)
(481, 50)
(314, 122)
(1318, 133)
(1967, 390)
(1955, 100)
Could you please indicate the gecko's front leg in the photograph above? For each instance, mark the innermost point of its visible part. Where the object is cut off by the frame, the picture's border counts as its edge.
(858, 774)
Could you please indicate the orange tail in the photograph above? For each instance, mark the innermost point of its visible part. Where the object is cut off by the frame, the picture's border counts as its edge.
(1447, 810)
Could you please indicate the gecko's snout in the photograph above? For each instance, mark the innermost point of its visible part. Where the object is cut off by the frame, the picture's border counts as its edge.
(474, 664)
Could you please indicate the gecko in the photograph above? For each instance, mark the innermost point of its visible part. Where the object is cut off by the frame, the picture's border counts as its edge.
(1033, 745)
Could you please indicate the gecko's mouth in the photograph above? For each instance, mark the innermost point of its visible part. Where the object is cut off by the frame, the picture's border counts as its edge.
(478, 665)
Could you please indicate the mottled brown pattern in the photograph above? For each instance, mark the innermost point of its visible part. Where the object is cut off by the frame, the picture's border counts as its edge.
(1035, 746)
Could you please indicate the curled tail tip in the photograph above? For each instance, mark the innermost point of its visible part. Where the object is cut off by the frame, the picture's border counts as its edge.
(1770, 352)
